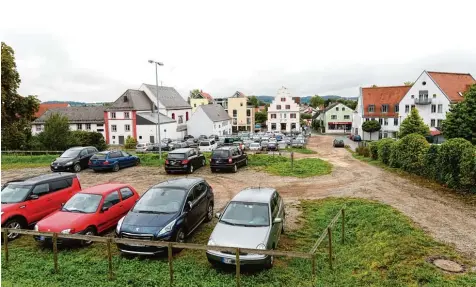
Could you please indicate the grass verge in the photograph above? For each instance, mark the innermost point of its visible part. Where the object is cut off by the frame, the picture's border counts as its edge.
(279, 165)
(382, 248)
(300, 150)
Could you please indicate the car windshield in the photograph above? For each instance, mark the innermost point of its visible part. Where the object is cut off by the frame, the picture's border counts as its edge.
(13, 193)
(176, 156)
(204, 143)
(83, 203)
(99, 156)
(250, 214)
(220, 153)
(70, 153)
(160, 200)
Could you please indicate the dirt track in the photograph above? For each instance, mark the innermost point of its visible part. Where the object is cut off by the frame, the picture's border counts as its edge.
(444, 216)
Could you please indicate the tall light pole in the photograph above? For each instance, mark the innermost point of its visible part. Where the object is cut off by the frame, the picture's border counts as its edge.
(157, 130)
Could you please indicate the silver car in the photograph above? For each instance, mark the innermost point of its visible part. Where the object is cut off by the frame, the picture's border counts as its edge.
(253, 219)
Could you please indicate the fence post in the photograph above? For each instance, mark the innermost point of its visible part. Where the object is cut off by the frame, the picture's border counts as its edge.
(109, 258)
(171, 267)
(329, 234)
(5, 244)
(238, 283)
(343, 224)
(55, 251)
(292, 161)
(313, 265)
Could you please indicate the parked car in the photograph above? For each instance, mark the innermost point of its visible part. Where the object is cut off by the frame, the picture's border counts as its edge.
(264, 145)
(112, 160)
(228, 158)
(184, 160)
(357, 138)
(74, 159)
(91, 211)
(166, 140)
(202, 138)
(255, 147)
(144, 147)
(208, 145)
(239, 144)
(26, 201)
(188, 137)
(254, 218)
(338, 143)
(176, 145)
(168, 211)
(282, 145)
(297, 143)
(272, 146)
(214, 137)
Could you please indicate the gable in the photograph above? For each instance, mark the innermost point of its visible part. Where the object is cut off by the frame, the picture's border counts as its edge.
(453, 85)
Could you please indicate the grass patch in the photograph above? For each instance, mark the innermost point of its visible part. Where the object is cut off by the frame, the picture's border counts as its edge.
(300, 150)
(26, 161)
(279, 165)
(383, 248)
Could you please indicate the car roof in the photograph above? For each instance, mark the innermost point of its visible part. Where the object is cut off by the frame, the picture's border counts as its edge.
(80, 147)
(103, 188)
(181, 182)
(44, 178)
(255, 194)
(181, 150)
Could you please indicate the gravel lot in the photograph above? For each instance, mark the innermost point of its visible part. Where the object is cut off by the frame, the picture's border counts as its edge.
(443, 215)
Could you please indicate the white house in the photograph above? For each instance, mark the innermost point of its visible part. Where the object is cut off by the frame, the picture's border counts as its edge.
(80, 118)
(283, 113)
(209, 120)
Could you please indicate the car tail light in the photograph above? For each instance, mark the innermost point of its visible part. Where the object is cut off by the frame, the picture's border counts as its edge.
(89, 162)
(185, 161)
(106, 162)
(166, 161)
(230, 160)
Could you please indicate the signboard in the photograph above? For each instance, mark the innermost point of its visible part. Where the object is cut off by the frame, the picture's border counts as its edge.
(257, 126)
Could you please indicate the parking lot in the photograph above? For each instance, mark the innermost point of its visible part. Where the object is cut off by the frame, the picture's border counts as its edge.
(438, 212)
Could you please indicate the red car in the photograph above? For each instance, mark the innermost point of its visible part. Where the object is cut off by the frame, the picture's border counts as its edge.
(90, 212)
(26, 201)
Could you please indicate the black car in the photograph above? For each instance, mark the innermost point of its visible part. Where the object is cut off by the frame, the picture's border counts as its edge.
(338, 143)
(229, 158)
(185, 160)
(74, 159)
(273, 146)
(169, 211)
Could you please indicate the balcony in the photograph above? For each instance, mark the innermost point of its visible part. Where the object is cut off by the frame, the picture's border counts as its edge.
(422, 101)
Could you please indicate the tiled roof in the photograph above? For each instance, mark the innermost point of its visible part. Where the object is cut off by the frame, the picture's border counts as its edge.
(216, 113)
(169, 97)
(44, 107)
(206, 96)
(150, 118)
(76, 114)
(238, 94)
(132, 100)
(452, 84)
(379, 96)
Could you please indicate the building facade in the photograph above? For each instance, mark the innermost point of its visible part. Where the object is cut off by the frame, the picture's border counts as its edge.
(242, 114)
(209, 120)
(283, 113)
(199, 99)
(337, 118)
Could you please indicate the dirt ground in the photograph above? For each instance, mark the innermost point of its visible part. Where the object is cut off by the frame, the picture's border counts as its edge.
(443, 215)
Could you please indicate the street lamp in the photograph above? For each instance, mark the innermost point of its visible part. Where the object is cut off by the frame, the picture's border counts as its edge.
(157, 97)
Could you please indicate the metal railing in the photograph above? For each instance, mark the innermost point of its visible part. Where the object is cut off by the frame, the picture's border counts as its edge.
(422, 101)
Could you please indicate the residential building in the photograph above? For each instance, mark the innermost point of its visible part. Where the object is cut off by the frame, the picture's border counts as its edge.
(222, 102)
(209, 120)
(297, 100)
(79, 118)
(283, 113)
(47, 106)
(199, 99)
(336, 118)
(242, 114)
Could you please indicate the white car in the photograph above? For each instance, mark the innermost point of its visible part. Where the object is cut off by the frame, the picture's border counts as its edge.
(208, 145)
(143, 147)
(255, 146)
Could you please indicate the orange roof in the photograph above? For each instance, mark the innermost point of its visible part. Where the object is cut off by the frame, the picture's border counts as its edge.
(379, 96)
(44, 107)
(206, 96)
(452, 84)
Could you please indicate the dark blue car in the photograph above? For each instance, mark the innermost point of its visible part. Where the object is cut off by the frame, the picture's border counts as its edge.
(168, 211)
(112, 160)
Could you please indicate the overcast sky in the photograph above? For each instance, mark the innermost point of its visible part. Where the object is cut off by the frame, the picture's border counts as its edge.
(94, 50)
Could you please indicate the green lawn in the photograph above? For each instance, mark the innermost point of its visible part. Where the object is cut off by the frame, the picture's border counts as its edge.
(383, 248)
(300, 150)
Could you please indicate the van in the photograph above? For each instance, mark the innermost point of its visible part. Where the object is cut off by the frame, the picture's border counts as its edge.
(207, 146)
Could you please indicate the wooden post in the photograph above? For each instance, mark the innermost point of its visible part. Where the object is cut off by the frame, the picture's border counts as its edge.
(343, 224)
(5, 245)
(55, 251)
(329, 235)
(238, 283)
(292, 161)
(109, 258)
(171, 267)
(313, 265)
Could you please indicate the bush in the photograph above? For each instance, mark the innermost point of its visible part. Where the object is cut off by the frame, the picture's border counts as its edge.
(373, 150)
(85, 138)
(456, 162)
(130, 143)
(409, 153)
(430, 162)
(363, 151)
(384, 149)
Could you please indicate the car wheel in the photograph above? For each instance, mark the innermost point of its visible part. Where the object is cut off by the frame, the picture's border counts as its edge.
(209, 212)
(269, 262)
(235, 168)
(282, 225)
(138, 161)
(167, 171)
(14, 223)
(213, 170)
(246, 162)
(180, 236)
(115, 168)
(190, 169)
(89, 232)
(203, 162)
(77, 167)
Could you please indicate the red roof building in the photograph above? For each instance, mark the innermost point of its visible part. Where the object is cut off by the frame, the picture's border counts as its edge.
(453, 84)
(44, 107)
(374, 100)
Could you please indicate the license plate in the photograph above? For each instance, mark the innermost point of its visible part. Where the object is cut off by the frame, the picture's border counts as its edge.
(227, 260)
(42, 238)
(56, 167)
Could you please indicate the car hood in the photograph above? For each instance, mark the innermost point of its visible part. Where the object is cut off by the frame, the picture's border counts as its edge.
(146, 222)
(63, 159)
(239, 236)
(61, 220)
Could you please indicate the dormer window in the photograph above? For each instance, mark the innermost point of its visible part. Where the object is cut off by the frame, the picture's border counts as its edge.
(126, 99)
(384, 108)
(460, 93)
(371, 108)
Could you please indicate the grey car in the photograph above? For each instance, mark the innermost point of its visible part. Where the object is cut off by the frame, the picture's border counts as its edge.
(254, 219)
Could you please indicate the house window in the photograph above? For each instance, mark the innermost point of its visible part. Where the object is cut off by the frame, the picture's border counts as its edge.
(407, 108)
(333, 117)
(235, 113)
(434, 96)
(385, 122)
(423, 83)
(288, 107)
(413, 106)
(79, 126)
(395, 121)
(413, 96)
(293, 116)
(273, 126)
(337, 108)
(194, 105)
(173, 116)
(371, 108)
(113, 137)
(440, 109)
(99, 125)
(397, 108)
(241, 104)
(438, 125)
(248, 113)
(88, 127)
(367, 119)
(346, 117)
(380, 121)
(423, 95)
(180, 119)
(114, 128)
(273, 116)
(140, 137)
(433, 121)
(235, 121)
(38, 128)
(113, 115)
(384, 108)
(278, 107)
(385, 135)
(127, 128)
(284, 115)
(433, 108)
(283, 99)
(186, 116)
(343, 109)
(126, 115)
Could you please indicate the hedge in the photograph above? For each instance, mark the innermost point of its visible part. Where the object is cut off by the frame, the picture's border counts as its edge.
(430, 162)
(408, 153)
(373, 146)
(456, 163)
(385, 147)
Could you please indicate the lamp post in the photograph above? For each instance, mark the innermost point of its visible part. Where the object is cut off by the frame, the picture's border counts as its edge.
(157, 131)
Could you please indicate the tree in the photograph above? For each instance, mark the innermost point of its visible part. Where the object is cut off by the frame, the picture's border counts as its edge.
(371, 127)
(56, 135)
(461, 119)
(306, 116)
(374, 86)
(254, 101)
(17, 111)
(413, 124)
(408, 83)
(130, 143)
(316, 101)
(261, 117)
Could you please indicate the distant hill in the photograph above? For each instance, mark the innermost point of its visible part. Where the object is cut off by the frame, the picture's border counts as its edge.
(76, 104)
(305, 100)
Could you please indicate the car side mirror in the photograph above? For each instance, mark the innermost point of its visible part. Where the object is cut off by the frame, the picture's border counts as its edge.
(277, 220)
(188, 206)
(217, 215)
(34, 196)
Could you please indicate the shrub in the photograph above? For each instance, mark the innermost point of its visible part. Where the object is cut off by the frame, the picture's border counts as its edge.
(130, 143)
(363, 151)
(373, 150)
(409, 153)
(456, 162)
(430, 161)
(384, 150)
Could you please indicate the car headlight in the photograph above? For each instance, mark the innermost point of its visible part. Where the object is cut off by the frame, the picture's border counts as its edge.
(36, 227)
(1, 213)
(261, 246)
(119, 224)
(69, 163)
(52, 162)
(167, 228)
(211, 242)
(67, 231)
